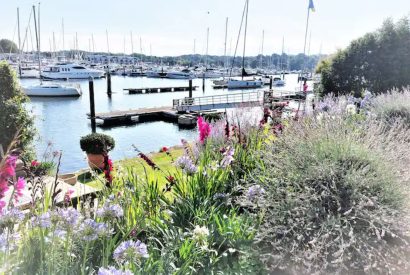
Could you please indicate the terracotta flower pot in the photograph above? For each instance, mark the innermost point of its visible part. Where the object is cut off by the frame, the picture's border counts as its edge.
(96, 161)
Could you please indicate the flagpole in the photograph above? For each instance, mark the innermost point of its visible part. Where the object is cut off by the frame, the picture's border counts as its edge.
(304, 56)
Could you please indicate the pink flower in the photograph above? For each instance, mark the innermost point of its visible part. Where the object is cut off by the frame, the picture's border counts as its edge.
(35, 163)
(67, 196)
(2, 205)
(19, 187)
(204, 129)
(9, 168)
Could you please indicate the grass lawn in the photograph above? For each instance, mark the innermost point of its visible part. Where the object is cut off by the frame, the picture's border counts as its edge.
(137, 165)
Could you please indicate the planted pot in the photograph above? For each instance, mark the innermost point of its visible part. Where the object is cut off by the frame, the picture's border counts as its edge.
(96, 146)
(96, 161)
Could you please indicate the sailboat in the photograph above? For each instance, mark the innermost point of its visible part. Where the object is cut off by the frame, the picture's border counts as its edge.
(244, 83)
(48, 89)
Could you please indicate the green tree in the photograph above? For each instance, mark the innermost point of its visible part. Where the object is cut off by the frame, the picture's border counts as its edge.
(14, 118)
(378, 61)
(8, 46)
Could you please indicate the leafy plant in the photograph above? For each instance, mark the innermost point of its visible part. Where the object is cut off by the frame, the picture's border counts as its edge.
(96, 143)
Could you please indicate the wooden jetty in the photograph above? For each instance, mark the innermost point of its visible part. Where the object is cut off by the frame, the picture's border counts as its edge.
(185, 111)
(159, 90)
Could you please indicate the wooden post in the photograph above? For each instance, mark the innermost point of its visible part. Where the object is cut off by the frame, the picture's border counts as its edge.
(92, 104)
(203, 82)
(190, 88)
(270, 83)
(109, 92)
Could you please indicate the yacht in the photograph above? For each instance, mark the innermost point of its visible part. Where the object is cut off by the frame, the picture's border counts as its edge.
(276, 81)
(184, 74)
(28, 72)
(52, 90)
(156, 73)
(70, 71)
(210, 73)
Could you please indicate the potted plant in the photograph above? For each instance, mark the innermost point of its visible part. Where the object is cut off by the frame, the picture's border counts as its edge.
(96, 146)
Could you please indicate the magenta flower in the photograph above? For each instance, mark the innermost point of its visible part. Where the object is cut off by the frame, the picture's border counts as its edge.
(67, 196)
(204, 129)
(19, 187)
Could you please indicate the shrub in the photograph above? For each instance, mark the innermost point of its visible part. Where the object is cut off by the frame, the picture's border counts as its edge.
(331, 192)
(392, 106)
(14, 118)
(97, 143)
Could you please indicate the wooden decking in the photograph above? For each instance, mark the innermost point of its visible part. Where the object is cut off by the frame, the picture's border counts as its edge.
(159, 90)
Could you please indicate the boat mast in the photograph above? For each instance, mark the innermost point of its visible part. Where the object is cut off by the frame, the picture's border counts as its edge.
(108, 48)
(244, 40)
(38, 43)
(263, 41)
(62, 27)
(19, 38)
(281, 57)
(207, 44)
(226, 37)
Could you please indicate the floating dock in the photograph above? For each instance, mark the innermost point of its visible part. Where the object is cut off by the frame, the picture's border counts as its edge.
(159, 90)
(142, 115)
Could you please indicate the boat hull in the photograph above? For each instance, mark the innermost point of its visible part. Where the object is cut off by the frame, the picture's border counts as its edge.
(244, 84)
(53, 91)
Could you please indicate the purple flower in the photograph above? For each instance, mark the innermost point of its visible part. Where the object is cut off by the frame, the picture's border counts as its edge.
(8, 241)
(88, 230)
(59, 233)
(228, 157)
(103, 230)
(186, 164)
(254, 192)
(10, 217)
(112, 271)
(43, 221)
(130, 251)
(68, 218)
(110, 211)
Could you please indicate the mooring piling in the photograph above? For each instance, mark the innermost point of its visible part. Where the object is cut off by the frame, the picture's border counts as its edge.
(109, 91)
(92, 104)
(190, 89)
(270, 83)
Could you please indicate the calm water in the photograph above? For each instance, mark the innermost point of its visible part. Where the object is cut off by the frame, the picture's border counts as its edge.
(62, 121)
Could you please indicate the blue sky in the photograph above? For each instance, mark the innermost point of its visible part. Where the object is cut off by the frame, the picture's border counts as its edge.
(170, 26)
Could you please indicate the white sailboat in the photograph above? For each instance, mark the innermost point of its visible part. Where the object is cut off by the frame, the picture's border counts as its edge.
(244, 83)
(48, 89)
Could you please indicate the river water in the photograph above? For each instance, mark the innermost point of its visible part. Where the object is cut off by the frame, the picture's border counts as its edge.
(62, 121)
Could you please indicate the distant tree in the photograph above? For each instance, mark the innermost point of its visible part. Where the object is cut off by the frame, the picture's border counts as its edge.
(14, 118)
(378, 61)
(8, 46)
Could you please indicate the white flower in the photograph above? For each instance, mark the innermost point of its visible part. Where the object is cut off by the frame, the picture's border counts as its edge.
(200, 232)
(351, 109)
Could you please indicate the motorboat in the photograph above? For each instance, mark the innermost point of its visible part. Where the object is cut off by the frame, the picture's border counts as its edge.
(184, 74)
(244, 84)
(210, 73)
(64, 71)
(156, 73)
(52, 90)
(276, 81)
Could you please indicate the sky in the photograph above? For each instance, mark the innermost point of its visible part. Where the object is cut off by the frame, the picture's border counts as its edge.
(170, 27)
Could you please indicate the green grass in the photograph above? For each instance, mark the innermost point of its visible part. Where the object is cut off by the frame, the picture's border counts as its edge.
(140, 168)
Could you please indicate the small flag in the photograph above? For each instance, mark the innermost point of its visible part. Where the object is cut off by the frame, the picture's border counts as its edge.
(311, 5)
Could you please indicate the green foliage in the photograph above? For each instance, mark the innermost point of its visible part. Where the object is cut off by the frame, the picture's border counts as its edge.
(96, 143)
(333, 200)
(14, 118)
(391, 107)
(8, 46)
(378, 61)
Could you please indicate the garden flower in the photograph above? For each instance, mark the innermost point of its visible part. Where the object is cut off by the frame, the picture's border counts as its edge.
(103, 230)
(68, 218)
(35, 163)
(11, 217)
(43, 221)
(200, 233)
(112, 271)
(255, 192)
(164, 149)
(148, 161)
(204, 129)
(67, 196)
(186, 164)
(130, 251)
(351, 109)
(7, 241)
(110, 211)
(88, 230)
(228, 157)
(19, 187)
